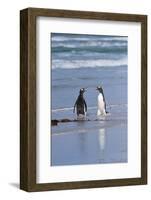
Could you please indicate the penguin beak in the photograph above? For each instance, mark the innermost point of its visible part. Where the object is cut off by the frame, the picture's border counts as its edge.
(83, 90)
(98, 88)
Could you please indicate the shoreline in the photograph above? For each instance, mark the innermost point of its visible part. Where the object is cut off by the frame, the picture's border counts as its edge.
(54, 122)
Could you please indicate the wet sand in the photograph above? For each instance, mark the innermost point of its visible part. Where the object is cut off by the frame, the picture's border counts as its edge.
(91, 142)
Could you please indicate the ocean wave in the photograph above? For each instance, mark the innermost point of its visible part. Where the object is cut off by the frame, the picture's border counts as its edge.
(76, 50)
(101, 49)
(71, 64)
(84, 37)
(92, 43)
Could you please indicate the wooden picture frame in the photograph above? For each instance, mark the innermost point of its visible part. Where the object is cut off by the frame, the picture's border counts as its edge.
(28, 98)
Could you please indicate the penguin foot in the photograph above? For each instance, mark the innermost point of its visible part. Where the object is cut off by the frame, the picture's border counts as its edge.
(81, 117)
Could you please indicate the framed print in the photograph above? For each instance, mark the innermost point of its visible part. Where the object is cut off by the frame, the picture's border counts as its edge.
(83, 99)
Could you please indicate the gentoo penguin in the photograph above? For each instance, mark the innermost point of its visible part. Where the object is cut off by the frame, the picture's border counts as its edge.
(101, 102)
(80, 104)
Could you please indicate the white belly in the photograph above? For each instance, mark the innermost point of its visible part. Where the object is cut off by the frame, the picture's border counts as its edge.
(101, 105)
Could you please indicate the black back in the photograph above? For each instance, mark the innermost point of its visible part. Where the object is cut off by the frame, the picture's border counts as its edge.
(80, 104)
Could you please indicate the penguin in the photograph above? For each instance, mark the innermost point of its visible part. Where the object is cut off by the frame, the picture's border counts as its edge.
(101, 102)
(80, 104)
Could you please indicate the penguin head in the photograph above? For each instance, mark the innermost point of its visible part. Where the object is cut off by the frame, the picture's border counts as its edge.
(82, 90)
(100, 89)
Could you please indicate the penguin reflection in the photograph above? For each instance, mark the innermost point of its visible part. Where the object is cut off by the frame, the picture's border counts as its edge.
(80, 105)
(101, 139)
